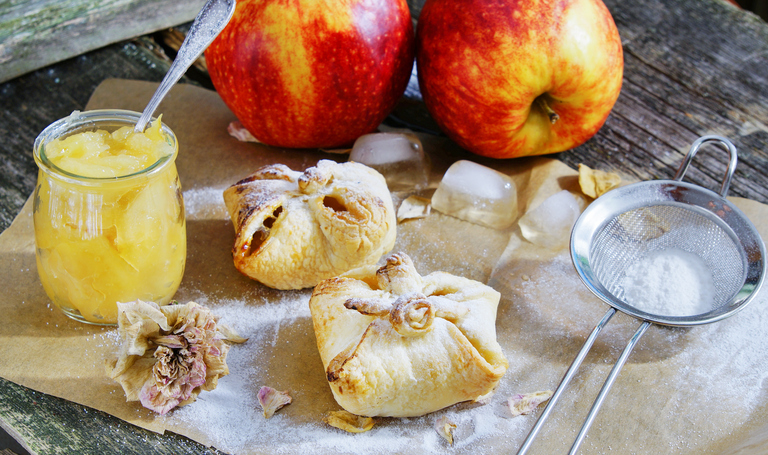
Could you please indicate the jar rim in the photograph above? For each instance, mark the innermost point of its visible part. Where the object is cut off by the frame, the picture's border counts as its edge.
(90, 120)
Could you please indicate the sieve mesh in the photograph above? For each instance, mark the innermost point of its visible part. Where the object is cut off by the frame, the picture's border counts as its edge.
(632, 234)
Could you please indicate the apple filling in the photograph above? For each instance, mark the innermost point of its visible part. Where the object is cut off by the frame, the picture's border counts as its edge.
(261, 234)
(334, 204)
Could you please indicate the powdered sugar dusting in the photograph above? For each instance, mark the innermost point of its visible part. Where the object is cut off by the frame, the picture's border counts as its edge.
(718, 369)
(205, 204)
(231, 420)
(673, 376)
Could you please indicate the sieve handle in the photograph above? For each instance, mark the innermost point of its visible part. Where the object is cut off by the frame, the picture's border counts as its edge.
(729, 147)
(607, 386)
(566, 379)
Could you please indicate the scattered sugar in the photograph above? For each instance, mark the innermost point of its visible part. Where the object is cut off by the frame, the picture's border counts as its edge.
(231, 419)
(716, 369)
(205, 204)
(673, 377)
(260, 320)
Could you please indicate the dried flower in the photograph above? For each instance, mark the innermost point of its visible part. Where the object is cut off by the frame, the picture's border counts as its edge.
(347, 421)
(524, 403)
(271, 400)
(169, 354)
(444, 427)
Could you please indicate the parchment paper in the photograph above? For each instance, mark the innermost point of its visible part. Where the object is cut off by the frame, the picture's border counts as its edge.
(699, 390)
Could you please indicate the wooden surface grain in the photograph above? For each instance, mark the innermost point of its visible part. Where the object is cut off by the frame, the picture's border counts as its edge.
(49, 425)
(37, 33)
(692, 67)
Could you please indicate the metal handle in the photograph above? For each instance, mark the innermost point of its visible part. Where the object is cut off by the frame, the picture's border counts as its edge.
(607, 386)
(207, 25)
(566, 379)
(729, 147)
(572, 371)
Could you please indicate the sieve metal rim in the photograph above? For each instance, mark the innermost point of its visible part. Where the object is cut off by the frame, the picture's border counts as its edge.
(677, 193)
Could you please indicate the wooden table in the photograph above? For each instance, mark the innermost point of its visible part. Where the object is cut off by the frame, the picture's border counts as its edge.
(692, 67)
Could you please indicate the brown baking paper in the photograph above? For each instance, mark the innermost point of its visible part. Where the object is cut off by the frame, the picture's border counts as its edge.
(699, 390)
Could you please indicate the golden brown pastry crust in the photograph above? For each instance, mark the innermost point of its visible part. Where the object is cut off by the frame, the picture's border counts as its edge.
(397, 344)
(296, 229)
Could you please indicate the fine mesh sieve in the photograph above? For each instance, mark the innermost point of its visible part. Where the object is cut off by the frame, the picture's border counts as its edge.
(623, 226)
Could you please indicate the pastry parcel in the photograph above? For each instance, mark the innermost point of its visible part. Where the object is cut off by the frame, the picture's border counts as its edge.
(296, 229)
(394, 343)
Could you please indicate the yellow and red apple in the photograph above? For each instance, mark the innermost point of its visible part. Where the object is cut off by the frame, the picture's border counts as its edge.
(509, 78)
(309, 73)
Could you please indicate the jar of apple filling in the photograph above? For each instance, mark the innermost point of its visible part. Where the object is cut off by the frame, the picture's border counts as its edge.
(108, 214)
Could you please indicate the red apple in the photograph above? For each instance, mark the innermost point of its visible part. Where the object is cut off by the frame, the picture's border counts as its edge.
(308, 73)
(508, 78)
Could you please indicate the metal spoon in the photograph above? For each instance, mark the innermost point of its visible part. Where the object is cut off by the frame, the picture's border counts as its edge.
(210, 21)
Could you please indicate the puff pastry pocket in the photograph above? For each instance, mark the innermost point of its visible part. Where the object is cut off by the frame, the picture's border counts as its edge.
(296, 229)
(397, 344)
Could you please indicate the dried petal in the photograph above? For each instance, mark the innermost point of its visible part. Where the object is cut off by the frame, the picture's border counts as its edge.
(413, 207)
(271, 400)
(643, 224)
(171, 341)
(524, 403)
(595, 183)
(169, 354)
(349, 422)
(484, 399)
(444, 427)
(152, 398)
(238, 131)
(137, 321)
(230, 335)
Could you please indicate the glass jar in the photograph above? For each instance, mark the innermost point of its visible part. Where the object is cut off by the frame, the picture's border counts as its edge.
(103, 240)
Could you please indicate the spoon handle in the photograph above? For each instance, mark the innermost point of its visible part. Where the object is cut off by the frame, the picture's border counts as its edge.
(210, 21)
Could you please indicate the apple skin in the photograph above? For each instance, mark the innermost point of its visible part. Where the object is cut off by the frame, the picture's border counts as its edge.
(483, 66)
(313, 73)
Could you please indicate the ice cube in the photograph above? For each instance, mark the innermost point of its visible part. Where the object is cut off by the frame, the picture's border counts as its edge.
(478, 194)
(399, 157)
(549, 224)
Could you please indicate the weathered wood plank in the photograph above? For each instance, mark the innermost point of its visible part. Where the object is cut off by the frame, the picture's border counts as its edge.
(34, 34)
(51, 425)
